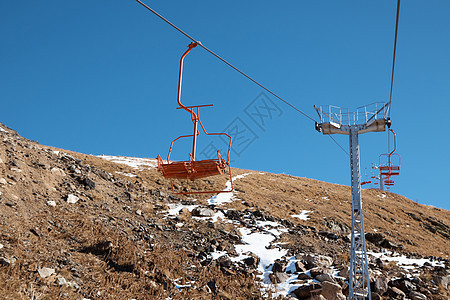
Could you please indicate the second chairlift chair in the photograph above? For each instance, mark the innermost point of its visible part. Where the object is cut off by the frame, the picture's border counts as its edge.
(390, 168)
(193, 169)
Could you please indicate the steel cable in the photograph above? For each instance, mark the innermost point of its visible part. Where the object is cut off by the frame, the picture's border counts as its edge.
(233, 67)
(226, 62)
(393, 57)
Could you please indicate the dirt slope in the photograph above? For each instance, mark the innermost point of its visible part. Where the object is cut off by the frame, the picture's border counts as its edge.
(105, 235)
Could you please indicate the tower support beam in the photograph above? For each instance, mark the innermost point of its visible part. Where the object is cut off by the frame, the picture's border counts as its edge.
(359, 271)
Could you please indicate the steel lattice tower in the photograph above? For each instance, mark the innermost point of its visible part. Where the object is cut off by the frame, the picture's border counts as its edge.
(336, 120)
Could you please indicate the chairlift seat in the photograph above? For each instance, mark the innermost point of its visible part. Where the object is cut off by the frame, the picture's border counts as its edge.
(389, 170)
(192, 170)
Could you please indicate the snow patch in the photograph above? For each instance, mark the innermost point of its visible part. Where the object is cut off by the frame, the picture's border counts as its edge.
(403, 261)
(126, 174)
(134, 162)
(174, 209)
(303, 215)
(257, 244)
(222, 198)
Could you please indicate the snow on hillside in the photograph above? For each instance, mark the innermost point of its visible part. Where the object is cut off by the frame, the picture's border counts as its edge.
(134, 162)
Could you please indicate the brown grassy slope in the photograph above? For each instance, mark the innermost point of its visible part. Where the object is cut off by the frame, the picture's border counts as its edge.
(414, 226)
(101, 243)
(403, 221)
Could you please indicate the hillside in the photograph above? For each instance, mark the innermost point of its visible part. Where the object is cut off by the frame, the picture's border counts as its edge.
(76, 226)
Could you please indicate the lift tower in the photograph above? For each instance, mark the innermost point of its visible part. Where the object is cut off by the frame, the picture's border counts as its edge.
(336, 120)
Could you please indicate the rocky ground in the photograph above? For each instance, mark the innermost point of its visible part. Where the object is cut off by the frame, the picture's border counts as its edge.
(78, 226)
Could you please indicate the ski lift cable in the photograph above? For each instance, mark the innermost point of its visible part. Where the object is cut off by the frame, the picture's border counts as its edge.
(345, 151)
(233, 67)
(223, 60)
(393, 57)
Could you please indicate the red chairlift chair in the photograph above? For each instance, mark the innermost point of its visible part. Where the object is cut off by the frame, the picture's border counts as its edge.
(390, 168)
(193, 169)
(367, 178)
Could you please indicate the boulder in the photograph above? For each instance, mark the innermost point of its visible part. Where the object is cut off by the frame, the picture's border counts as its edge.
(58, 172)
(325, 277)
(345, 272)
(279, 266)
(317, 261)
(380, 285)
(332, 291)
(304, 276)
(300, 267)
(442, 280)
(203, 212)
(405, 285)
(225, 261)
(417, 296)
(46, 272)
(375, 237)
(395, 293)
(278, 277)
(72, 199)
(305, 291)
(252, 261)
(318, 271)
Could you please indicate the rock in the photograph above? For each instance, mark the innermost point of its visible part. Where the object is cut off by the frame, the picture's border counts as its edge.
(300, 267)
(324, 277)
(212, 286)
(417, 296)
(46, 272)
(58, 172)
(184, 211)
(345, 272)
(442, 280)
(1, 160)
(63, 282)
(405, 285)
(318, 271)
(278, 277)
(317, 261)
(51, 203)
(139, 212)
(252, 261)
(380, 285)
(224, 261)
(7, 261)
(3, 181)
(1, 246)
(395, 293)
(75, 169)
(72, 199)
(304, 292)
(332, 291)
(89, 184)
(203, 212)
(390, 245)
(279, 266)
(375, 237)
(329, 235)
(304, 276)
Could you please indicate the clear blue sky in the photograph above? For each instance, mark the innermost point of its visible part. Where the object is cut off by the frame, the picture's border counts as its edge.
(100, 77)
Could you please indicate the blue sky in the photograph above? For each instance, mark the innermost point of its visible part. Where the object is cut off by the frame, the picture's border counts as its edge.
(100, 77)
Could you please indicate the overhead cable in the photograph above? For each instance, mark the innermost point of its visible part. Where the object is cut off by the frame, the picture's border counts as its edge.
(223, 60)
(393, 57)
